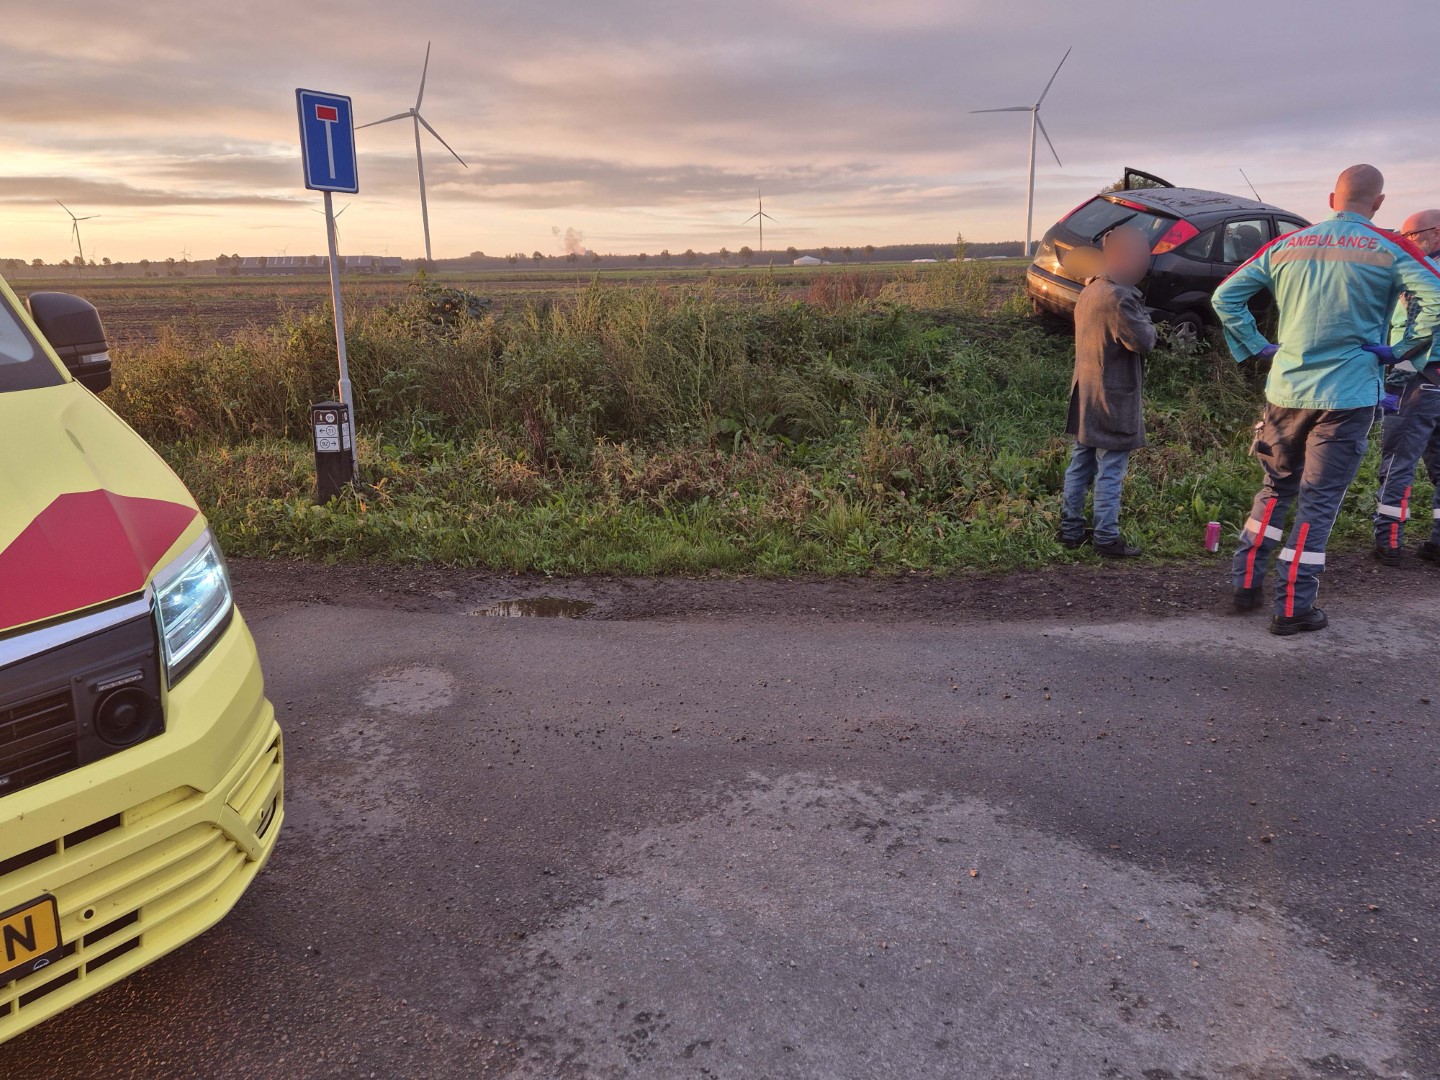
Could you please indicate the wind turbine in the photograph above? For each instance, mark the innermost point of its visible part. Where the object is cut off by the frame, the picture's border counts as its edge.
(760, 216)
(337, 217)
(1035, 123)
(413, 114)
(75, 228)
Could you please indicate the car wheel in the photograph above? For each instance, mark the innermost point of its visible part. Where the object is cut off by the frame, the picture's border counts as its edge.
(1187, 328)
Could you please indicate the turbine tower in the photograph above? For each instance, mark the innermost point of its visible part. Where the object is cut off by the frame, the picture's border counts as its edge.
(413, 114)
(1035, 124)
(75, 229)
(761, 217)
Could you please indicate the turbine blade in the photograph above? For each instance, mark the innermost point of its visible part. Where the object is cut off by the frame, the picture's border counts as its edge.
(65, 208)
(1012, 108)
(749, 219)
(766, 216)
(1052, 77)
(443, 143)
(423, 72)
(1041, 125)
(398, 116)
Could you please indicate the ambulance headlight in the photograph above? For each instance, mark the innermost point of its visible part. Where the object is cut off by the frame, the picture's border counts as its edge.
(193, 605)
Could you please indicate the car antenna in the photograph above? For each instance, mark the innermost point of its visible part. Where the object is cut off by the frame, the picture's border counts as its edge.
(1252, 187)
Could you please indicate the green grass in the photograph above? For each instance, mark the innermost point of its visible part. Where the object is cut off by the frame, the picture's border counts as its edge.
(911, 422)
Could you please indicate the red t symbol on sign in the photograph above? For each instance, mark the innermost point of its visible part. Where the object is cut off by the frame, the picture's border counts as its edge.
(330, 116)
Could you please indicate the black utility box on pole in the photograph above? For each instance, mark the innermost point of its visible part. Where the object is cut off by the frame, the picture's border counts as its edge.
(334, 454)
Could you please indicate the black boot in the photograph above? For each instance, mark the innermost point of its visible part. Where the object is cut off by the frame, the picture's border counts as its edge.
(1249, 599)
(1429, 551)
(1073, 542)
(1387, 556)
(1117, 549)
(1285, 625)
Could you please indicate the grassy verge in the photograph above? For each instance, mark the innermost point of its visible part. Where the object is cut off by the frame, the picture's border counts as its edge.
(909, 423)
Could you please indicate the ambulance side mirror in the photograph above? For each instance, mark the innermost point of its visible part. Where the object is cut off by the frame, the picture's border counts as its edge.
(73, 328)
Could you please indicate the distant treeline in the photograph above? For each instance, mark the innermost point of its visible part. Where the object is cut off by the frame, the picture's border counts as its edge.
(478, 260)
(743, 256)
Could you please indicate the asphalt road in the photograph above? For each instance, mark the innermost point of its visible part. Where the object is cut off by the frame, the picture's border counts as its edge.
(818, 841)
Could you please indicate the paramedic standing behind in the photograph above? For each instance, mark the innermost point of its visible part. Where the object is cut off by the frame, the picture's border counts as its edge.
(1335, 286)
(1413, 433)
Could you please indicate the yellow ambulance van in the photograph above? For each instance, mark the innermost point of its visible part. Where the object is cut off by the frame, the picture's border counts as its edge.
(140, 762)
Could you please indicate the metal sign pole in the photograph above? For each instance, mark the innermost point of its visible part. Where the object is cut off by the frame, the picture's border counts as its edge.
(327, 152)
(345, 394)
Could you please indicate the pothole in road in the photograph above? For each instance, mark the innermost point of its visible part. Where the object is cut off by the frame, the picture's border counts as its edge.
(812, 927)
(537, 607)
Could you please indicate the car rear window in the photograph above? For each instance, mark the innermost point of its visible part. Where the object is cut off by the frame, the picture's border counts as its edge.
(23, 364)
(1100, 215)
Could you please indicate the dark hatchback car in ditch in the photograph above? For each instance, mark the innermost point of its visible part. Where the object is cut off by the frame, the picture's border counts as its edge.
(1197, 238)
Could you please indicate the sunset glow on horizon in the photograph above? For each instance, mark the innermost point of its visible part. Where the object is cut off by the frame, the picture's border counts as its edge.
(644, 126)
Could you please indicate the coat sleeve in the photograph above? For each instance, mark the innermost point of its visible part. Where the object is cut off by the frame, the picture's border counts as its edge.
(1232, 304)
(1133, 326)
(1418, 278)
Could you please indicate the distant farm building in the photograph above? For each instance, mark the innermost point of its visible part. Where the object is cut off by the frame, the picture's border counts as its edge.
(291, 265)
(809, 260)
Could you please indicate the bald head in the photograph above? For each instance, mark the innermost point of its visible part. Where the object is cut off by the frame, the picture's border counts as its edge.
(1360, 189)
(1423, 230)
(1127, 255)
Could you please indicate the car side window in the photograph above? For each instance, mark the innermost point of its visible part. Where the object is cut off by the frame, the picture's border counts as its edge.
(1283, 227)
(1242, 239)
(1201, 247)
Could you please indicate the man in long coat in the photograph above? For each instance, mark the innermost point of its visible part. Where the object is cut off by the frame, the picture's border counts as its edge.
(1113, 334)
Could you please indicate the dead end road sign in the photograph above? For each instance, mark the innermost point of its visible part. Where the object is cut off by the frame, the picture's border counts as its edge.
(327, 141)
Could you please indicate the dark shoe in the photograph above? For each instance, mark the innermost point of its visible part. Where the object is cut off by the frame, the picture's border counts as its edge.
(1285, 625)
(1249, 599)
(1116, 549)
(1388, 556)
(1073, 542)
(1429, 551)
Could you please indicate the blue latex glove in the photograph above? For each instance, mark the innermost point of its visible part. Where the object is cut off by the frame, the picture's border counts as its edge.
(1267, 352)
(1390, 404)
(1383, 354)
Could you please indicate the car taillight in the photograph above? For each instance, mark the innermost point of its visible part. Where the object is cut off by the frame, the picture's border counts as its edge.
(1176, 235)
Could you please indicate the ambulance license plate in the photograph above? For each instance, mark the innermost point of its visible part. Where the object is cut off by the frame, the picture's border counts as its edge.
(29, 938)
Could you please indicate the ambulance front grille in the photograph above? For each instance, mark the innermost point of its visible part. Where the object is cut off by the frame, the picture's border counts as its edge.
(37, 740)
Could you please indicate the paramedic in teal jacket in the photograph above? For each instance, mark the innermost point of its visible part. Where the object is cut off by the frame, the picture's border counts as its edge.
(1335, 286)
(1411, 431)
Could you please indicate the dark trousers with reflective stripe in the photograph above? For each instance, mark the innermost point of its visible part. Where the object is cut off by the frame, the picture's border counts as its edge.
(1310, 456)
(1409, 436)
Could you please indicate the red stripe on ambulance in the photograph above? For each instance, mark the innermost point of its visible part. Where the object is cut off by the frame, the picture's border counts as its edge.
(83, 549)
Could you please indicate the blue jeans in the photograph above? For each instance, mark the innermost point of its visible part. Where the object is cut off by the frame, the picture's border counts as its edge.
(1310, 456)
(1409, 436)
(1104, 469)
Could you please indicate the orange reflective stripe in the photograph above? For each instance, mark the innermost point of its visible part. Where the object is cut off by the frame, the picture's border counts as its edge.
(1255, 544)
(1295, 568)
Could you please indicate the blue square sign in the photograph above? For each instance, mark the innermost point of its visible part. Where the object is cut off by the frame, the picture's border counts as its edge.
(327, 141)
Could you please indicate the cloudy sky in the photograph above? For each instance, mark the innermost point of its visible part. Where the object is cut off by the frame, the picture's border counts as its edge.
(647, 124)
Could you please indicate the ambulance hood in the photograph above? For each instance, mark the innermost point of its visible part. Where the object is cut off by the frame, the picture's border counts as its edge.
(88, 512)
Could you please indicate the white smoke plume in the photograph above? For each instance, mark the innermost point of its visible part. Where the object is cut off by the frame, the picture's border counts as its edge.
(574, 240)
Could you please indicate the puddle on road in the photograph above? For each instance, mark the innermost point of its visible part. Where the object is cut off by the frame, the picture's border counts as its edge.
(536, 607)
